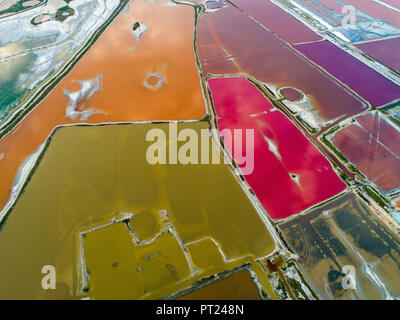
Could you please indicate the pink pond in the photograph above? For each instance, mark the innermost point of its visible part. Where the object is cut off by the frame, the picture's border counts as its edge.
(393, 3)
(277, 20)
(290, 174)
(372, 144)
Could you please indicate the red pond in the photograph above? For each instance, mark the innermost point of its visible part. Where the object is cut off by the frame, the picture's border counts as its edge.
(290, 174)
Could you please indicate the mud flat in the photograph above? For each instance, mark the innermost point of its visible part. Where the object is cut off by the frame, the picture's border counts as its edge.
(346, 232)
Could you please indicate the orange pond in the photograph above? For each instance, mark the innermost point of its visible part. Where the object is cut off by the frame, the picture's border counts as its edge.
(120, 63)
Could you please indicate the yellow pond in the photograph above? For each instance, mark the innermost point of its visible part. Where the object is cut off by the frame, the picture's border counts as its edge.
(90, 175)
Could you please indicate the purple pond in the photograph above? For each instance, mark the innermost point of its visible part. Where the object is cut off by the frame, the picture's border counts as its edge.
(386, 51)
(369, 84)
